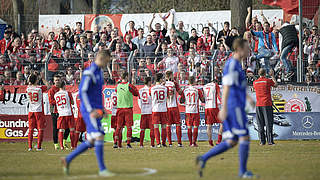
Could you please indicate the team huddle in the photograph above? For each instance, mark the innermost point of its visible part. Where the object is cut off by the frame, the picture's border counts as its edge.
(159, 109)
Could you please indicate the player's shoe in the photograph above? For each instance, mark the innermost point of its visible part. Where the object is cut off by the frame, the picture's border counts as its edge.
(211, 142)
(66, 147)
(141, 146)
(115, 146)
(180, 145)
(39, 149)
(56, 146)
(200, 165)
(217, 143)
(65, 166)
(158, 145)
(129, 146)
(152, 146)
(29, 149)
(106, 173)
(194, 145)
(170, 145)
(164, 145)
(249, 175)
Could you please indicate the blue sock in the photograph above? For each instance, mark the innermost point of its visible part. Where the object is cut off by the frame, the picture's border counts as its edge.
(220, 148)
(243, 156)
(80, 149)
(98, 144)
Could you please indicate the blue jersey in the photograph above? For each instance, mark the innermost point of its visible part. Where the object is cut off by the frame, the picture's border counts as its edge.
(90, 89)
(234, 76)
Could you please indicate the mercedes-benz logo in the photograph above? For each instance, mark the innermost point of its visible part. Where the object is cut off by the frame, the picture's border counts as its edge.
(307, 122)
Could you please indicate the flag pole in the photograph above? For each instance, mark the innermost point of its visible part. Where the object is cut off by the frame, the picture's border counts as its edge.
(300, 62)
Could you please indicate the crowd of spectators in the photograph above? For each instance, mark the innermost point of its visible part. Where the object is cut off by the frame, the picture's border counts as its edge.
(158, 48)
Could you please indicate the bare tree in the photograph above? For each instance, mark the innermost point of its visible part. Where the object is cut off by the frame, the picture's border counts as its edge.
(239, 13)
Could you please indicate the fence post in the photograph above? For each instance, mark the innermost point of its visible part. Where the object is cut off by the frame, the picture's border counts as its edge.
(19, 23)
(130, 58)
(299, 63)
(213, 63)
(46, 65)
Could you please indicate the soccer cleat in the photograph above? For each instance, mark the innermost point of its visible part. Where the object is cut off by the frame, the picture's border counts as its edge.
(65, 166)
(211, 142)
(56, 146)
(29, 149)
(249, 175)
(115, 146)
(164, 145)
(194, 145)
(40, 149)
(129, 146)
(106, 173)
(159, 146)
(152, 146)
(200, 165)
(66, 147)
(141, 146)
(180, 145)
(170, 145)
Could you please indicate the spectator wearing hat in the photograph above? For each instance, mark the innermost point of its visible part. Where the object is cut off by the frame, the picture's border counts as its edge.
(6, 42)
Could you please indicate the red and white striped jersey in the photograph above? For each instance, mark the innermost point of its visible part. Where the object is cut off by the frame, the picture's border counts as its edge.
(192, 95)
(211, 94)
(173, 88)
(145, 101)
(63, 101)
(114, 103)
(35, 97)
(159, 94)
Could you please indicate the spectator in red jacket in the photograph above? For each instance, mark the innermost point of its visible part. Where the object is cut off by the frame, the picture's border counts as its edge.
(132, 31)
(5, 43)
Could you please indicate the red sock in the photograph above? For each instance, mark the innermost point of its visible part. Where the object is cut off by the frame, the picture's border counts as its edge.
(73, 139)
(30, 138)
(219, 138)
(178, 131)
(129, 135)
(76, 138)
(190, 135)
(169, 134)
(157, 135)
(114, 137)
(195, 135)
(60, 137)
(119, 134)
(141, 137)
(152, 136)
(211, 142)
(163, 135)
(40, 138)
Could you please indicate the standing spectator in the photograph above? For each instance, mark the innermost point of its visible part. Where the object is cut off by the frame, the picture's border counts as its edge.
(90, 60)
(180, 32)
(160, 33)
(140, 39)
(225, 33)
(267, 45)
(149, 47)
(132, 31)
(83, 47)
(8, 78)
(128, 45)
(5, 43)
(170, 62)
(90, 40)
(19, 79)
(206, 41)
(3, 64)
(262, 87)
(194, 37)
(314, 34)
(49, 41)
(69, 75)
(103, 40)
(177, 48)
(78, 30)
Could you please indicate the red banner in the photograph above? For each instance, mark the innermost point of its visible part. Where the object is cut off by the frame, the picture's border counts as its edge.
(91, 20)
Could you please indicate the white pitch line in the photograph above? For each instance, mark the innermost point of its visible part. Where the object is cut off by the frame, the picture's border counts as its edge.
(65, 154)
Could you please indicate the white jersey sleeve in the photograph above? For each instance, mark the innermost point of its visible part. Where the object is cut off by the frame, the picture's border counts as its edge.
(191, 95)
(145, 101)
(35, 98)
(172, 98)
(63, 103)
(114, 103)
(159, 95)
(210, 95)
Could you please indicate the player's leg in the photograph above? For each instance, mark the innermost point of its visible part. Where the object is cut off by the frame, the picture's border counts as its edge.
(178, 126)
(209, 133)
(261, 124)
(120, 122)
(196, 123)
(31, 120)
(156, 125)
(189, 126)
(164, 121)
(129, 124)
(76, 137)
(244, 143)
(151, 127)
(65, 137)
(142, 129)
(168, 128)
(220, 134)
(60, 137)
(41, 126)
(268, 117)
(54, 117)
(114, 127)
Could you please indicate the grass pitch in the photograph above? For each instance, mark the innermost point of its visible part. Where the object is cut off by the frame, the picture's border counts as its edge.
(294, 160)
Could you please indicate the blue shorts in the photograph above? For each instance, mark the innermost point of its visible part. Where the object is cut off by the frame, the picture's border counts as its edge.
(94, 127)
(235, 125)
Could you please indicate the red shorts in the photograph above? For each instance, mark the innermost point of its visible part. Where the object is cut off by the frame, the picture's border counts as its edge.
(114, 122)
(36, 120)
(65, 122)
(80, 125)
(159, 118)
(124, 117)
(211, 116)
(173, 116)
(146, 121)
(193, 119)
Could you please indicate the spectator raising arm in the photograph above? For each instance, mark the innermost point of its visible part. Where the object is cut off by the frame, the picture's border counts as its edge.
(150, 24)
(248, 18)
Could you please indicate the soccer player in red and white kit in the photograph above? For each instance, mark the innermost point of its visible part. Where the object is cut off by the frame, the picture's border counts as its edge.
(173, 110)
(114, 118)
(63, 101)
(159, 94)
(80, 125)
(35, 115)
(191, 96)
(145, 104)
(212, 95)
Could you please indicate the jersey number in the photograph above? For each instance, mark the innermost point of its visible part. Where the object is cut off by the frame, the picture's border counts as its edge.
(190, 95)
(144, 97)
(208, 93)
(159, 95)
(34, 97)
(114, 98)
(61, 100)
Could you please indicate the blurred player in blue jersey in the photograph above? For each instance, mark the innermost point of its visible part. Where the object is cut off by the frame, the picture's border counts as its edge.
(233, 111)
(91, 107)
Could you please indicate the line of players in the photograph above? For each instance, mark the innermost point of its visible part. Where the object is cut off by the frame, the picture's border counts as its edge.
(159, 106)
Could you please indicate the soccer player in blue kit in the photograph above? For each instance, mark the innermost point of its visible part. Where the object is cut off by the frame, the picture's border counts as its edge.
(233, 112)
(91, 107)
